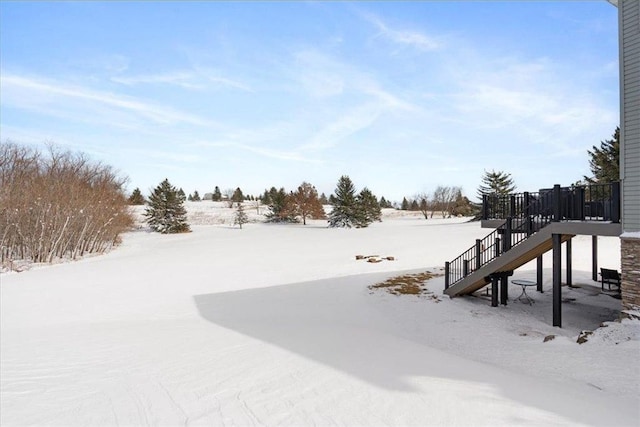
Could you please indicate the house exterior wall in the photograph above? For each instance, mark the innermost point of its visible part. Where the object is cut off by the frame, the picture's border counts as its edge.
(629, 30)
(629, 39)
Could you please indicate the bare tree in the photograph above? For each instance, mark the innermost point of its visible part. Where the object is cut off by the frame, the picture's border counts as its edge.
(227, 196)
(444, 197)
(57, 205)
(424, 204)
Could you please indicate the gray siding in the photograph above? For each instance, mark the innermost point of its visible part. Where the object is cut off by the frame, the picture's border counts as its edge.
(629, 21)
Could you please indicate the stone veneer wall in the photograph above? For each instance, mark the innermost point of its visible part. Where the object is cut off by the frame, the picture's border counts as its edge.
(630, 265)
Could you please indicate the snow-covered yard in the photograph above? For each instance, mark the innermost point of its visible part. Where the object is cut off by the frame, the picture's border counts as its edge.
(276, 325)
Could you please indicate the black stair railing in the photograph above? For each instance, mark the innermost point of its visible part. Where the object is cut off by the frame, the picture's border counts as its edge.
(527, 213)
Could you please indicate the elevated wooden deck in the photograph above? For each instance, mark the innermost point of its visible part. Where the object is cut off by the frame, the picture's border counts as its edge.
(526, 226)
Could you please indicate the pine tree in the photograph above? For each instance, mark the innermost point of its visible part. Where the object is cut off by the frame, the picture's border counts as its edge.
(217, 195)
(237, 195)
(136, 197)
(405, 204)
(196, 196)
(345, 212)
(462, 206)
(190, 197)
(305, 203)
(165, 212)
(280, 208)
(323, 199)
(493, 182)
(265, 198)
(604, 162)
(368, 207)
(240, 216)
(384, 203)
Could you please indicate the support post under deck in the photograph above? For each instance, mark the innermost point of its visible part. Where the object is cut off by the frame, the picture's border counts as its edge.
(504, 292)
(494, 291)
(539, 273)
(557, 276)
(569, 273)
(594, 258)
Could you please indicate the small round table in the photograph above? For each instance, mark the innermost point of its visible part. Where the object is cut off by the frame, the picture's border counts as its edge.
(524, 284)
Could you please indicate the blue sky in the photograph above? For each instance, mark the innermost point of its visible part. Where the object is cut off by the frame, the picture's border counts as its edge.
(401, 96)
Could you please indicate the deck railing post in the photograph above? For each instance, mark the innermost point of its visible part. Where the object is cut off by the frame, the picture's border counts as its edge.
(506, 243)
(465, 268)
(478, 253)
(446, 275)
(497, 248)
(615, 201)
(557, 203)
(580, 203)
(512, 206)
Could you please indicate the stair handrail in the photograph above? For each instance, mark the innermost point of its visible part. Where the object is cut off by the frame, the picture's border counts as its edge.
(532, 218)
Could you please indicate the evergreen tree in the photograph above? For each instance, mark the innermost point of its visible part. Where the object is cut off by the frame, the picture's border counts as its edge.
(196, 196)
(384, 203)
(240, 216)
(368, 207)
(273, 193)
(217, 194)
(405, 204)
(346, 211)
(265, 198)
(305, 203)
(136, 197)
(182, 194)
(323, 199)
(280, 209)
(237, 195)
(190, 197)
(165, 212)
(604, 162)
(462, 205)
(493, 182)
(332, 199)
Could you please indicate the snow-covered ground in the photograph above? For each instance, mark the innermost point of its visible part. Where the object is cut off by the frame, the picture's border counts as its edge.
(276, 325)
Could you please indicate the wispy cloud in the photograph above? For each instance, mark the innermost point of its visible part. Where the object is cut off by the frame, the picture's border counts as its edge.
(530, 101)
(182, 79)
(348, 123)
(197, 79)
(409, 37)
(41, 92)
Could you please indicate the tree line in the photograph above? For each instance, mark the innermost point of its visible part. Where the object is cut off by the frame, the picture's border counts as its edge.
(165, 211)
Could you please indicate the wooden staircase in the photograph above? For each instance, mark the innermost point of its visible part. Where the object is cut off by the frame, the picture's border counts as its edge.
(526, 223)
(528, 250)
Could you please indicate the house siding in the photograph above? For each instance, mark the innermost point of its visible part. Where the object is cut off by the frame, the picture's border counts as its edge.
(629, 31)
(629, 21)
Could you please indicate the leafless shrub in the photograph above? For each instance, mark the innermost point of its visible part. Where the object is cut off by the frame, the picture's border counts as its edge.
(57, 205)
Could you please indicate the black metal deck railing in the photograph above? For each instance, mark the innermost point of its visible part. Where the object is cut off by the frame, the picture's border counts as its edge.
(593, 202)
(526, 213)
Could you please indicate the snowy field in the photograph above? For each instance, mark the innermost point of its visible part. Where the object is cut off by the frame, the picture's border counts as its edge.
(275, 325)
